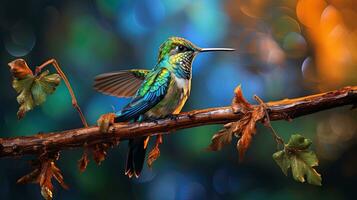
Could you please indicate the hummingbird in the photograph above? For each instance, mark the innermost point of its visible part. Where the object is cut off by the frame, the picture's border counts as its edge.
(156, 93)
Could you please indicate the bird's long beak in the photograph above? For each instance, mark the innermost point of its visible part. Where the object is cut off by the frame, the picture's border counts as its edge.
(215, 49)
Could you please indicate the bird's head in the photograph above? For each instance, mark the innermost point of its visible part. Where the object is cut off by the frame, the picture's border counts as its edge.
(179, 51)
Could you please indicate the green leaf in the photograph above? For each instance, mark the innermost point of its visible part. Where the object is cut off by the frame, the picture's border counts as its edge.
(298, 142)
(33, 90)
(301, 160)
(302, 166)
(24, 98)
(283, 161)
(44, 85)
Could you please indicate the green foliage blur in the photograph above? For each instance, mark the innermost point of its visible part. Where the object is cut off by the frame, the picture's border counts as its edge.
(285, 49)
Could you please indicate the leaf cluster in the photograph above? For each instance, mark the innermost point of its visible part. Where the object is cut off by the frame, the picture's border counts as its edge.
(44, 170)
(244, 129)
(32, 89)
(297, 157)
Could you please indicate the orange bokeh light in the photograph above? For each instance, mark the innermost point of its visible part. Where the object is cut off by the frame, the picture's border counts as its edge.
(309, 11)
(334, 49)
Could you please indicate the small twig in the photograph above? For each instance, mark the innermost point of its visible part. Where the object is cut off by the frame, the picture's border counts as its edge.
(279, 141)
(63, 76)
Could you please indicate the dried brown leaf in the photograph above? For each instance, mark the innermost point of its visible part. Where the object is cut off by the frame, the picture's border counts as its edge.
(243, 129)
(46, 175)
(239, 103)
(19, 68)
(99, 152)
(153, 156)
(45, 170)
(83, 162)
(29, 178)
(248, 130)
(222, 138)
(99, 156)
(58, 176)
(46, 193)
(155, 151)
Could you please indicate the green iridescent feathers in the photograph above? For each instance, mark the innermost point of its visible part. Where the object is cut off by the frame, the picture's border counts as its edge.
(151, 92)
(171, 43)
(155, 82)
(125, 83)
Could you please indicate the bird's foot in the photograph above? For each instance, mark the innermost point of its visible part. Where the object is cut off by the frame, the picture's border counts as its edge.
(105, 121)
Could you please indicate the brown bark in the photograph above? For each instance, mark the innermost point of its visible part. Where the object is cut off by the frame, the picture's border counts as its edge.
(278, 110)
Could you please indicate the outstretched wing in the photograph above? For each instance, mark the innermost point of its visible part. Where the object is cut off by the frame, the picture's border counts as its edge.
(122, 83)
(151, 92)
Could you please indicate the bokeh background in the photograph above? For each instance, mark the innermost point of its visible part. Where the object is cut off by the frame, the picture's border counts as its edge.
(285, 49)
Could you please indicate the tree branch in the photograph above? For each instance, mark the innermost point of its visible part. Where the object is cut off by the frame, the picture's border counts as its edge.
(286, 109)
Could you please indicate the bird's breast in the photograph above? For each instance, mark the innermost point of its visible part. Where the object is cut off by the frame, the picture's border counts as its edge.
(183, 84)
(174, 100)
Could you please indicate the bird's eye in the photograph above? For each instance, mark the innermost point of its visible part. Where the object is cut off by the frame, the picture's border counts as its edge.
(181, 48)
